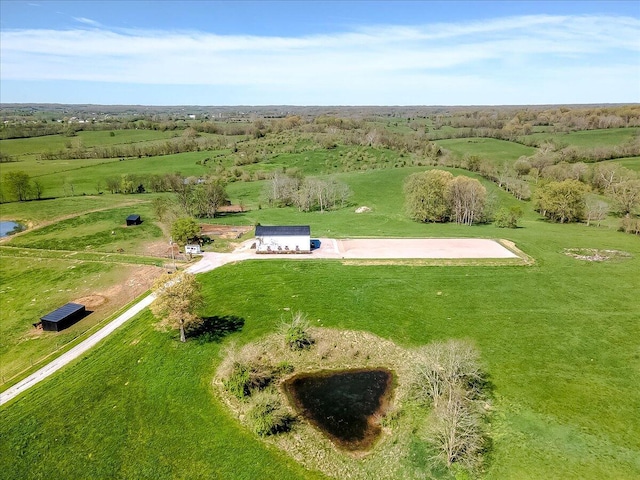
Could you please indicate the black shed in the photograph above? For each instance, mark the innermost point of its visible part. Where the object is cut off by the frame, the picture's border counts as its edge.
(134, 219)
(63, 317)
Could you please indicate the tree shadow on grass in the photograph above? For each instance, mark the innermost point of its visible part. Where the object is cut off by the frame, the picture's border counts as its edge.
(214, 329)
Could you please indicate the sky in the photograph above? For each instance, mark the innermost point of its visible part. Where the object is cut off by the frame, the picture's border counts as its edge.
(319, 52)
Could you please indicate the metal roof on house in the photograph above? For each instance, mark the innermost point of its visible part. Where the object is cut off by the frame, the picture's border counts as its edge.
(282, 230)
(63, 312)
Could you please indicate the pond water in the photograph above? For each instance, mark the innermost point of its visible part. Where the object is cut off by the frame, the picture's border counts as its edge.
(7, 228)
(344, 405)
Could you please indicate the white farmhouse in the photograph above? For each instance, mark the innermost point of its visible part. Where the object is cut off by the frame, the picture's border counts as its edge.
(283, 239)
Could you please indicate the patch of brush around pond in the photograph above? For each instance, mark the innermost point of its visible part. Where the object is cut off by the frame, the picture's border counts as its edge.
(351, 404)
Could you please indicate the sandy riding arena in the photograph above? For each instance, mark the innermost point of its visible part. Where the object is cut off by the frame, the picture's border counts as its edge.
(419, 248)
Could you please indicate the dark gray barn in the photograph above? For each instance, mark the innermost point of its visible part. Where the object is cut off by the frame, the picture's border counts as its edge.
(134, 219)
(63, 317)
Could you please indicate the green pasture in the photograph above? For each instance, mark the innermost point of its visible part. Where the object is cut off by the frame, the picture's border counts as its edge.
(88, 176)
(380, 190)
(103, 231)
(632, 163)
(63, 169)
(32, 287)
(29, 148)
(558, 342)
(589, 138)
(36, 212)
(489, 148)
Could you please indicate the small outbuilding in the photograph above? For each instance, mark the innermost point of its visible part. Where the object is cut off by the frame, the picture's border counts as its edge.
(134, 219)
(63, 317)
(283, 239)
(193, 249)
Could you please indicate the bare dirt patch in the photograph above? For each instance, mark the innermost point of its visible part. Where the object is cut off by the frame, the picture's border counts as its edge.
(138, 281)
(596, 255)
(228, 232)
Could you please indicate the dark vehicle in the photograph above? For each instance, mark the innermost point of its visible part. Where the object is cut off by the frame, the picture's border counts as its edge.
(315, 243)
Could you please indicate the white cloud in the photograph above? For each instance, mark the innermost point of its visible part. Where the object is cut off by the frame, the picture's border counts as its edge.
(87, 21)
(502, 55)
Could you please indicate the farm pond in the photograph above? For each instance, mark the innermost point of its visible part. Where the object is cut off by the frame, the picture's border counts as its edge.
(7, 228)
(345, 405)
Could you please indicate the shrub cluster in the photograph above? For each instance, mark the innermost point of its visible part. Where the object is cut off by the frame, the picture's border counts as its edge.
(451, 380)
(254, 383)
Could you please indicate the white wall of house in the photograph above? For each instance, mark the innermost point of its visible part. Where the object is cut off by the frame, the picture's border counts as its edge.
(283, 243)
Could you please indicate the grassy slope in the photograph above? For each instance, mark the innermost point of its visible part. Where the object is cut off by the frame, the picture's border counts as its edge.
(38, 212)
(33, 287)
(29, 148)
(104, 231)
(490, 148)
(590, 138)
(561, 353)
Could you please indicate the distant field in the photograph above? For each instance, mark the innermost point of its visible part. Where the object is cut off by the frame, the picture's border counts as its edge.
(87, 175)
(632, 163)
(29, 148)
(489, 148)
(590, 138)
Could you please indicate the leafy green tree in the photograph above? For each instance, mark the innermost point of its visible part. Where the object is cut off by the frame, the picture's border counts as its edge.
(508, 217)
(18, 184)
(426, 195)
(561, 201)
(178, 298)
(184, 230)
(626, 195)
(207, 198)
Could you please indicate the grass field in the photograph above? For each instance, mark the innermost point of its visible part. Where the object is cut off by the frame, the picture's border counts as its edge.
(558, 338)
(589, 138)
(25, 149)
(57, 281)
(489, 148)
(104, 231)
(559, 352)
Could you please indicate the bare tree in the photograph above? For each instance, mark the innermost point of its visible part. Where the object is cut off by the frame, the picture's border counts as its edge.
(595, 210)
(467, 198)
(456, 430)
(450, 377)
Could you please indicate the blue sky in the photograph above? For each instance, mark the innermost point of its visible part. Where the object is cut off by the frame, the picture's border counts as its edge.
(319, 53)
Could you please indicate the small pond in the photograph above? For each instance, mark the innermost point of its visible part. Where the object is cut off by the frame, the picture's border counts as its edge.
(345, 405)
(7, 228)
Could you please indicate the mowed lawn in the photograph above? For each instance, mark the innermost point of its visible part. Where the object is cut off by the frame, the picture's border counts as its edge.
(559, 341)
